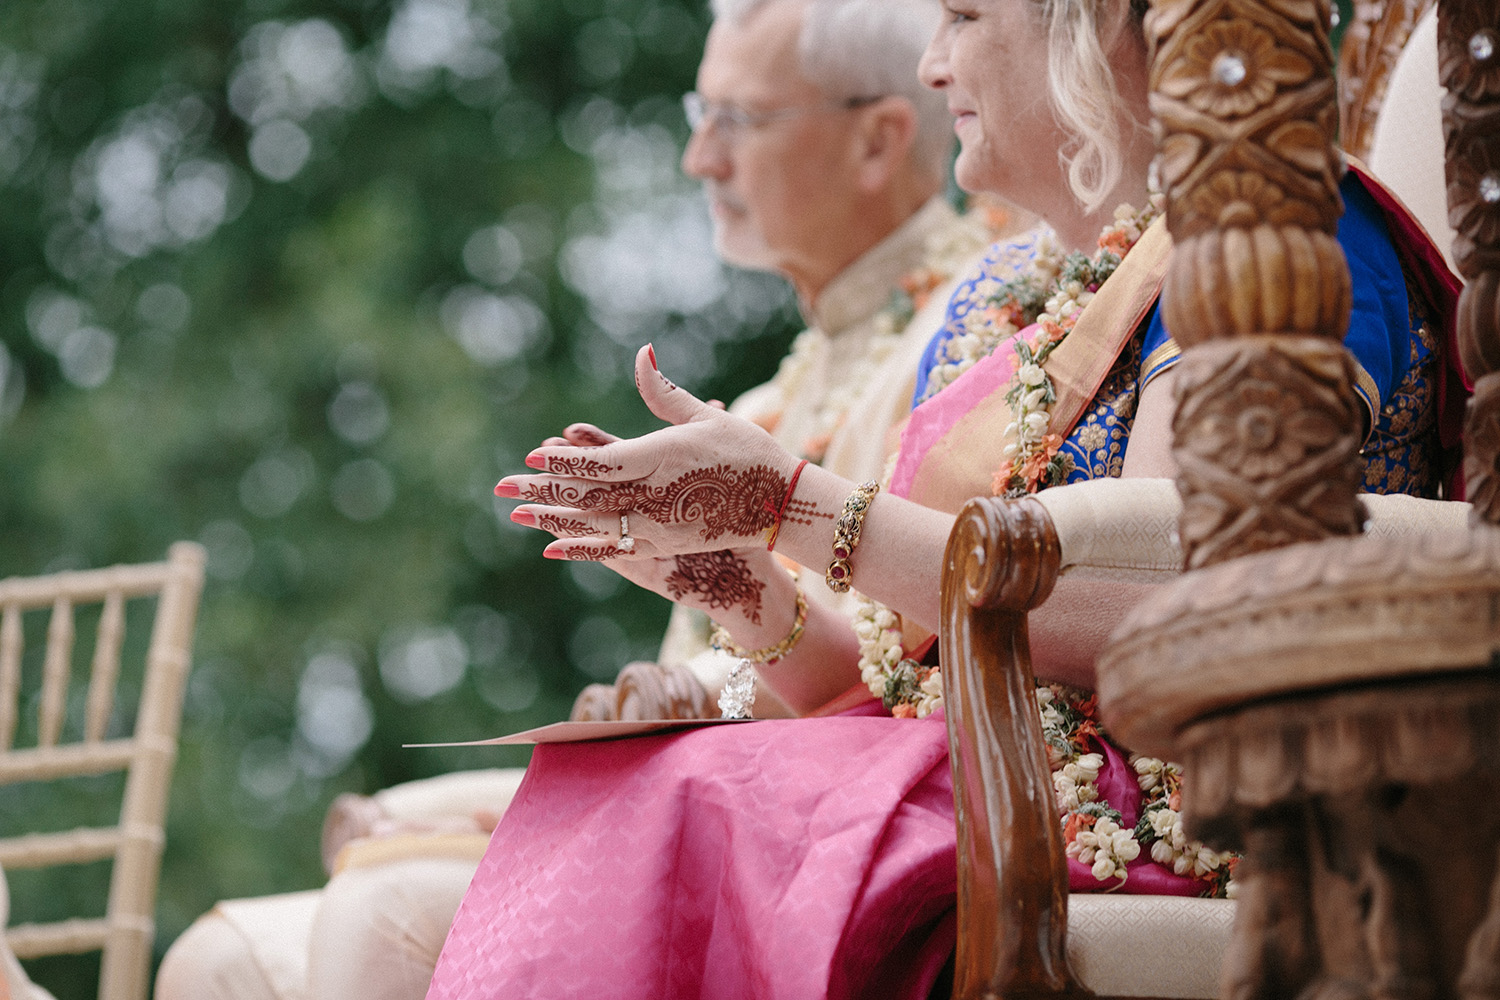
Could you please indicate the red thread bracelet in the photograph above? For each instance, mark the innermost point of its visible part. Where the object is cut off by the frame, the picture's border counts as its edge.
(780, 512)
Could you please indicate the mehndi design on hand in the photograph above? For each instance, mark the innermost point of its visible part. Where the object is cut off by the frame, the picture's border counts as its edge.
(721, 580)
(583, 468)
(593, 555)
(803, 512)
(725, 501)
(567, 527)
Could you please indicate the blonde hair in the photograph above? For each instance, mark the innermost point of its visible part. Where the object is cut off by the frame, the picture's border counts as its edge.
(1084, 95)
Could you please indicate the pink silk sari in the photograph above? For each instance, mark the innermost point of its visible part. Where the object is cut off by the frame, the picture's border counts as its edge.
(784, 859)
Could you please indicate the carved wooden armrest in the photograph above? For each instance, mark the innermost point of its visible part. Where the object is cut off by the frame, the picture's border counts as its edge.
(646, 690)
(1003, 558)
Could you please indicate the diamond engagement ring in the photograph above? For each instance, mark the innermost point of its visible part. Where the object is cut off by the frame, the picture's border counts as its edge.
(626, 543)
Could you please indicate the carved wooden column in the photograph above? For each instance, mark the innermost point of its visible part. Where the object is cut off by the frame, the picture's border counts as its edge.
(1268, 428)
(1371, 46)
(1336, 705)
(1469, 66)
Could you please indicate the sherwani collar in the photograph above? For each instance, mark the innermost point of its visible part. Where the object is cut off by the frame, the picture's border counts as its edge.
(864, 287)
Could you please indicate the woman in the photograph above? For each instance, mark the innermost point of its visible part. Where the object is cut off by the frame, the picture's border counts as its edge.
(815, 857)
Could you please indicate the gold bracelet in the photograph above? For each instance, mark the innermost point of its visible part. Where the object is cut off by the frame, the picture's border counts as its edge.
(846, 531)
(724, 644)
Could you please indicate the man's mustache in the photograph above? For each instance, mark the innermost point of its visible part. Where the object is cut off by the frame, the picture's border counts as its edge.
(717, 192)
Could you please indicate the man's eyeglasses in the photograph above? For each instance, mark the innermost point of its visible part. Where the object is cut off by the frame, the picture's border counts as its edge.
(731, 119)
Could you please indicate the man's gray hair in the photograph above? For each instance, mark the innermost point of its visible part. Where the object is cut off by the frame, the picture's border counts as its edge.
(870, 48)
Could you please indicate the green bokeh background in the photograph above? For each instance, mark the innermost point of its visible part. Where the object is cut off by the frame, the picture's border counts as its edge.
(301, 279)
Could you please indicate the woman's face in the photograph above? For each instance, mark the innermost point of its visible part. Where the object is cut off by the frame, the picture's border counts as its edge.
(990, 58)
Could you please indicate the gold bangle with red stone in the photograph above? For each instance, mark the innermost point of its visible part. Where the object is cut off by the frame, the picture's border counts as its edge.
(846, 530)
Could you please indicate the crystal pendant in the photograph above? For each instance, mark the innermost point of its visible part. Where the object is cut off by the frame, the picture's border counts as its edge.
(1489, 187)
(1229, 69)
(738, 694)
(1482, 45)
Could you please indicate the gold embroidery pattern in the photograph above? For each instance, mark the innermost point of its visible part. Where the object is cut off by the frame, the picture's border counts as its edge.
(1398, 456)
(1097, 444)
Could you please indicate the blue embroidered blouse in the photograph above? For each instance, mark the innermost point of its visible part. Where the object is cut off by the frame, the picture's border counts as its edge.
(1394, 343)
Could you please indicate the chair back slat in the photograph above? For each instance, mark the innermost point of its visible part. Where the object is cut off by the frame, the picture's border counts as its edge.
(106, 668)
(10, 674)
(66, 937)
(56, 671)
(146, 755)
(44, 850)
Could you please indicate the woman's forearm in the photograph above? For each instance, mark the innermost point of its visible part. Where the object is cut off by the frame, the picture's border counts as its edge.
(899, 559)
(823, 664)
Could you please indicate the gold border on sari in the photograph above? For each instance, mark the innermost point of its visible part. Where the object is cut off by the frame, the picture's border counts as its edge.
(962, 465)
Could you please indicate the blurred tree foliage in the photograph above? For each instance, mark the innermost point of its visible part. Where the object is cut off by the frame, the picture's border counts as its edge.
(300, 279)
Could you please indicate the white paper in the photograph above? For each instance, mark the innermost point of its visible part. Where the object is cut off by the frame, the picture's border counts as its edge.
(580, 732)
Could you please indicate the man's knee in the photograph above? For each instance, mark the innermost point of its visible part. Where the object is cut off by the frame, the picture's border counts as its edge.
(242, 949)
(379, 930)
(211, 960)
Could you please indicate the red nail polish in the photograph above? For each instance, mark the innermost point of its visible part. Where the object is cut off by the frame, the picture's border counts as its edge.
(523, 517)
(507, 490)
(536, 461)
(552, 554)
(651, 353)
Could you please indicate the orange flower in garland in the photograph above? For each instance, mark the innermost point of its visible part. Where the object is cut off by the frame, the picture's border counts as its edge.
(1033, 459)
(1054, 330)
(1116, 241)
(1034, 469)
(1077, 822)
(920, 284)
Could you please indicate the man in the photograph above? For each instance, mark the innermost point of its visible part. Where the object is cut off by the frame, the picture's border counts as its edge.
(823, 158)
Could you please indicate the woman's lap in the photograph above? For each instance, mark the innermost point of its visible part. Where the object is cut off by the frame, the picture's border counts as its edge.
(791, 858)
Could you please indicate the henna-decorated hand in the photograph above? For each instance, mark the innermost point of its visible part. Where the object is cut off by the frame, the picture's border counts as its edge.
(709, 482)
(719, 583)
(581, 436)
(725, 584)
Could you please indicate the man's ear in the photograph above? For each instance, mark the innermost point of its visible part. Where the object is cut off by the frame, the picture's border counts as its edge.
(884, 139)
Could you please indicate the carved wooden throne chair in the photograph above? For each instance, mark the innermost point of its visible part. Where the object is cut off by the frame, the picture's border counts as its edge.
(76, 738)
(1325, 670)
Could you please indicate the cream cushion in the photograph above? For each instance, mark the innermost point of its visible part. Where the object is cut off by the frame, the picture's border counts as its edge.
(1158, 946)
(1126, 529)
(459, 794)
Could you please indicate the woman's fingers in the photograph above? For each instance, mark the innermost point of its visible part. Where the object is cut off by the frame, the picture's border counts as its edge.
(580, 436)
(562, 491)
(589, 453)
(662, 397)
(582, 550)
(606, 464)
(588, 436)
(568, 522)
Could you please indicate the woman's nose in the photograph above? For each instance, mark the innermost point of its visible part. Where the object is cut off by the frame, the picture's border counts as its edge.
(933, 69)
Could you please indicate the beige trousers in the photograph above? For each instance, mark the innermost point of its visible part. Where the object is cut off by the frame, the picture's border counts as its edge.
(372, 933)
